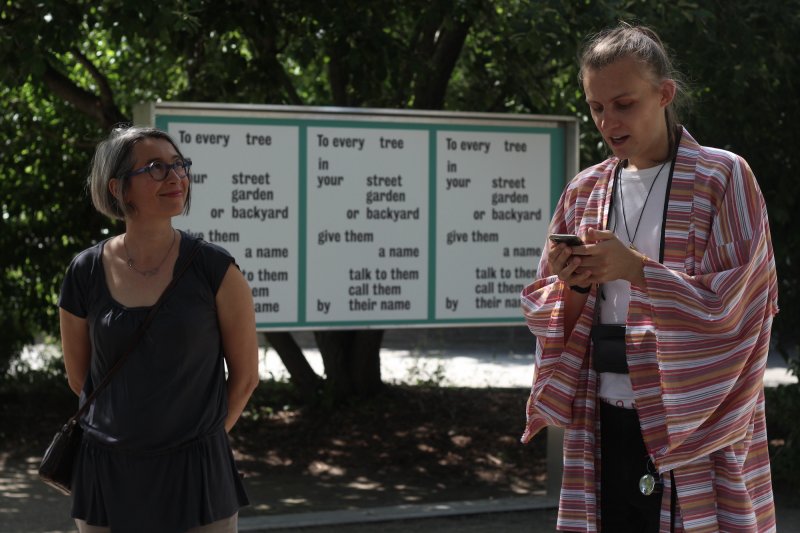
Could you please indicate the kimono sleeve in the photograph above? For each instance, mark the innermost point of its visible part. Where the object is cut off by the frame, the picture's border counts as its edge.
(713, 327)
(559, 367)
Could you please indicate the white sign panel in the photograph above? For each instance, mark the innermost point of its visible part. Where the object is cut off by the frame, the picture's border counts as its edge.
(373, 218)
(245, 198)
(367, 230)
(493, 193)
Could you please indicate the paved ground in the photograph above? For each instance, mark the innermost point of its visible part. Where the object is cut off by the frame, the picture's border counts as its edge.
(537, 516)
(476, 358)
(461, 357)
(46, 511)
(531, 515)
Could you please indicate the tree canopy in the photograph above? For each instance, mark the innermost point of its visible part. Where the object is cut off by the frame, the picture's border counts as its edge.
(72, 69)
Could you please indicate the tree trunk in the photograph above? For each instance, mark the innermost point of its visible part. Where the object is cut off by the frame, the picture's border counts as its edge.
(101, 109)
(365, 363)
(352, 363)
(301, 374)
(430, 90)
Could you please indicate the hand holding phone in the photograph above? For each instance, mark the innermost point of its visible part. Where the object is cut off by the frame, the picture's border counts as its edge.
(567, 238)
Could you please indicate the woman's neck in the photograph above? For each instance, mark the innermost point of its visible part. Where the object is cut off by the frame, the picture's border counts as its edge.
(148, 236)
(655, 156)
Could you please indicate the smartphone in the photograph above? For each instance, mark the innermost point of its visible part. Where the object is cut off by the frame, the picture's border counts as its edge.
(568, 238)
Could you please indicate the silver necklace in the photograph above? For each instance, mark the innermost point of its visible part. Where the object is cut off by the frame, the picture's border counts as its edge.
(152, 271)
(646, 198)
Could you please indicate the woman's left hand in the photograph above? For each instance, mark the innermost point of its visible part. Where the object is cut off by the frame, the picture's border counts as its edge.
(608, 259)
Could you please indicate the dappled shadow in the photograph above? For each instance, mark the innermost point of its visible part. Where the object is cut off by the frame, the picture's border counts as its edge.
(29, 417)
(411, 445)
(27, 504)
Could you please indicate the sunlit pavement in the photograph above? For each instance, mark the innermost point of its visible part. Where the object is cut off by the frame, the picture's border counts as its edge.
(460, 357)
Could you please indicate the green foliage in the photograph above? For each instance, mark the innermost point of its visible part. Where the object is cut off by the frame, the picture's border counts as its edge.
(745, 77)
(419, 374)
(29, 395)
(72, 68)
(783, 410)
(41, 176)
(269, 399)
(740, 61)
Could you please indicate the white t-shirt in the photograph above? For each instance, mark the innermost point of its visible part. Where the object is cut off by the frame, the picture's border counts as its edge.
(632, 192)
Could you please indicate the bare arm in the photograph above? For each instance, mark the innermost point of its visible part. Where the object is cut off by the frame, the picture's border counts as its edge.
(76, 347)
(238, 327)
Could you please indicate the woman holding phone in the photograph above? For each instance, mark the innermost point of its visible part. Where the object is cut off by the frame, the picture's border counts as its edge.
(652, 335)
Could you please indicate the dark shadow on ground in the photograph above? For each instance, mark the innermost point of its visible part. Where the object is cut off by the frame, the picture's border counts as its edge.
(409, 445)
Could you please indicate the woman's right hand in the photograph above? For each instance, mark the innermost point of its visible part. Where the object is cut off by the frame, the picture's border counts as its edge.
(565, 262)
(76, 347)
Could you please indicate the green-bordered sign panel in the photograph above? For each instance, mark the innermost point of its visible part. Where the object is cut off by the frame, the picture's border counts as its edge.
(361, 218)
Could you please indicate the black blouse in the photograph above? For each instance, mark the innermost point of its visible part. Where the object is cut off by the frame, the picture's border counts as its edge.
(155, 455)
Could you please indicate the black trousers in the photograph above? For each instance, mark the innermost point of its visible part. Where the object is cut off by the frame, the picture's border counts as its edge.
(623, 508)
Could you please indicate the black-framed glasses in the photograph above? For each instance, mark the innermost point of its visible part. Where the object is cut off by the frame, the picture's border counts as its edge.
(159, 170)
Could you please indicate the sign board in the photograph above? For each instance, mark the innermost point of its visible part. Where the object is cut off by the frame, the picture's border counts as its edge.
(362, 218)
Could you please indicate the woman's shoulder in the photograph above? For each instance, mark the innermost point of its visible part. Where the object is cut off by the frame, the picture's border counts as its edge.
(718, 157)
(718, 168)
(590, 175)
(88, 258)
(208, 250)
(81, 280)
(710, 161)
(212, 260)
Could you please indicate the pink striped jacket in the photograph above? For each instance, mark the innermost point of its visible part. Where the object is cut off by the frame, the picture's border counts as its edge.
(697, 342)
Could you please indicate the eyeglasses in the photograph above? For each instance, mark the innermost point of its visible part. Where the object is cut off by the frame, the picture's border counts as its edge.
(159, 171)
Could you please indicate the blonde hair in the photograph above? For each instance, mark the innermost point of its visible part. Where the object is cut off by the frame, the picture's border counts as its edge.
(114, 159)
(644, 45)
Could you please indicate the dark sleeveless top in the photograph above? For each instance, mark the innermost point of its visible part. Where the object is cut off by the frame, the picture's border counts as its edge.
(155, 456)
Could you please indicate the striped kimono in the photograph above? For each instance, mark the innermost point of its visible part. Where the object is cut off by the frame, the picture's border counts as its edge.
(697, 340)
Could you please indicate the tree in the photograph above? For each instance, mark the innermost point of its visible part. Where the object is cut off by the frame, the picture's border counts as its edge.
(74, 68)
(740, 62)
(746, 70)
(101, 60)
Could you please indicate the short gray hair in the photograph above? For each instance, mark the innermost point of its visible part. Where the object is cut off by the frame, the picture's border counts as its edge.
(114, 159)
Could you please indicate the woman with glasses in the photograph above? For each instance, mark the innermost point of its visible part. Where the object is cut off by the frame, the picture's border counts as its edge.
(155, 455)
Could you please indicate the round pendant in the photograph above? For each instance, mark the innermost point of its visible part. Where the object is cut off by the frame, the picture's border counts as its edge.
(647, 484)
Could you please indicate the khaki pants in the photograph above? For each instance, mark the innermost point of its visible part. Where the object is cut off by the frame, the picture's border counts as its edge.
(226, 525)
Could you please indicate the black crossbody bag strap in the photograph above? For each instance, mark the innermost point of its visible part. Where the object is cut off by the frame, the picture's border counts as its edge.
(136, 336)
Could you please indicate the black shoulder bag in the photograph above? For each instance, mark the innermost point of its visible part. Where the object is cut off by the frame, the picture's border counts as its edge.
(59, 458)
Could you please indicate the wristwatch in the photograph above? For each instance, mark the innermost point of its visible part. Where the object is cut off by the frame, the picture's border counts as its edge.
(579, 289)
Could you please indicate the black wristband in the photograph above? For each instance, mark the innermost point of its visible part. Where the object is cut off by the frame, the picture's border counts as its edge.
(582, 290)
